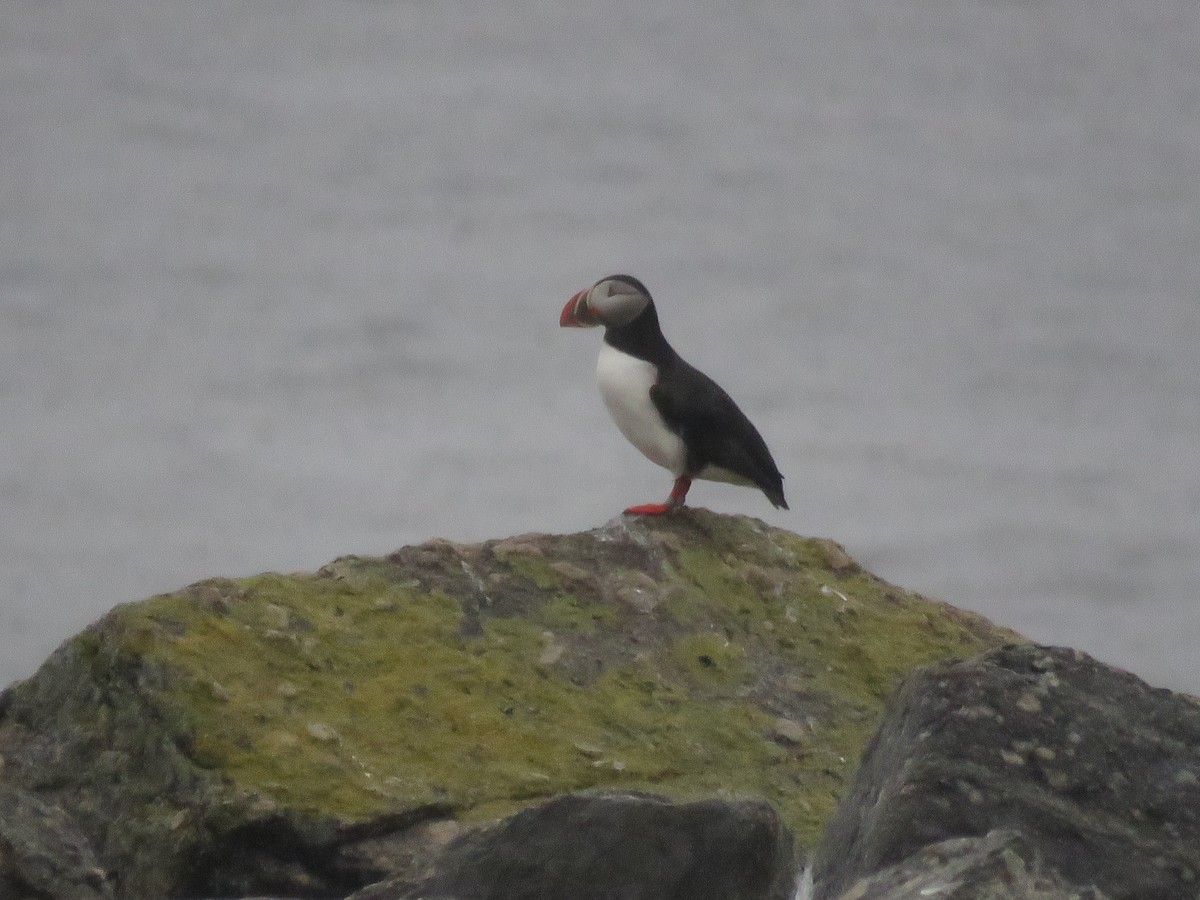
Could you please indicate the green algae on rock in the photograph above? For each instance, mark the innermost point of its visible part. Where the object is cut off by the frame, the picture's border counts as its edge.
(691, 655)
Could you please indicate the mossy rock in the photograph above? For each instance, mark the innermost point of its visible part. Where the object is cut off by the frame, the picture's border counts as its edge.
(691, 655)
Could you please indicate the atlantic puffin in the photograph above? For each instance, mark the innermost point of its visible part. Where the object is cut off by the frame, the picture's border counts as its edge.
(672, 412)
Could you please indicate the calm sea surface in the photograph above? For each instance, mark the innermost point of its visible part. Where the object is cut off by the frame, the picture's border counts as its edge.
(281, 282)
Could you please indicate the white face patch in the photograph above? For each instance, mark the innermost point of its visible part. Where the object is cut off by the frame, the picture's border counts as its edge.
(625, 383)
(616, 302)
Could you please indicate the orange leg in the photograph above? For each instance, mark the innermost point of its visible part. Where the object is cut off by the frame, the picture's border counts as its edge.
(674, 501)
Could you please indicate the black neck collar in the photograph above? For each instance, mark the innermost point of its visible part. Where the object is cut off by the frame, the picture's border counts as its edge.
(642, 338)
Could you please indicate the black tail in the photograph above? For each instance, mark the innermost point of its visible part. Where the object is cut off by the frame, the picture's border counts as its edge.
(774, 492)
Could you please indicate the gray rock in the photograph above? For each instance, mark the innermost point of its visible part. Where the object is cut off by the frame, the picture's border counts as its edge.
(615, 847)
(43, 853)
(999, 866)
(1098, 771)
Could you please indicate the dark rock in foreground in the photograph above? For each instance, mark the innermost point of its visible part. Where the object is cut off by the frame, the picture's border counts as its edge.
(615, 847)
(1097, 771)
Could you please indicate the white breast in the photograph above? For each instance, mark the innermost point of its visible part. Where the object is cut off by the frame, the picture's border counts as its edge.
(625, 386)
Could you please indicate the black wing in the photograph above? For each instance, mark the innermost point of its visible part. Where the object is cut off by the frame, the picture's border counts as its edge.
(714, 430)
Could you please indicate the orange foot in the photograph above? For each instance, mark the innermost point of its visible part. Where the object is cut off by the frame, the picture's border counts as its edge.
(678, 495)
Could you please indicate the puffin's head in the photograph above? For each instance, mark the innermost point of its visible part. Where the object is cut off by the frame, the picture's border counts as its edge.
(612, 302)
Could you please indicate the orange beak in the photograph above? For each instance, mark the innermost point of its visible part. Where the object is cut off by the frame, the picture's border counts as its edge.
(577, 313)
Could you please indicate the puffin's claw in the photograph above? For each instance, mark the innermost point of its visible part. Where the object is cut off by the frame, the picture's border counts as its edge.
(678, 495)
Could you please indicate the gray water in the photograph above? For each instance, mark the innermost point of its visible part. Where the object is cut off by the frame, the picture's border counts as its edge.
(281, 281)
